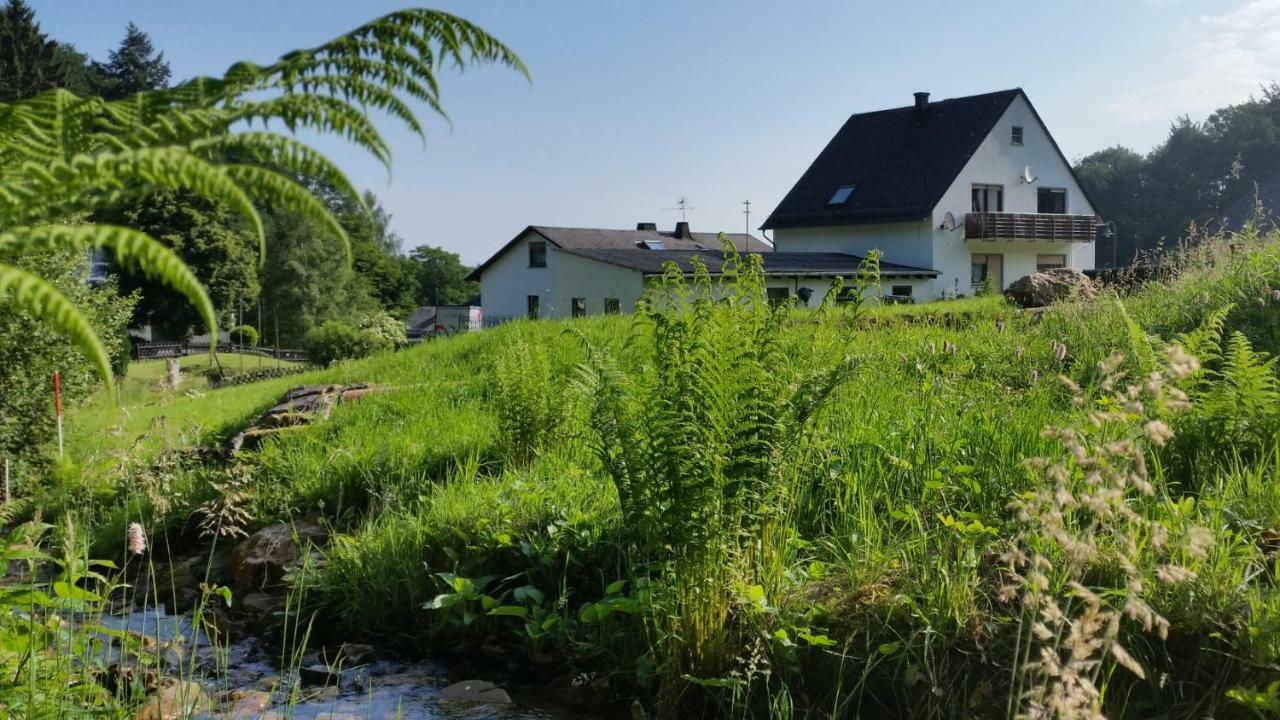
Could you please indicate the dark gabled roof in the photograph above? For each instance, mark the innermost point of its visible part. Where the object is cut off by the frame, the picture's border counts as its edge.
(804, 264)
(901, 162)
(568, 239)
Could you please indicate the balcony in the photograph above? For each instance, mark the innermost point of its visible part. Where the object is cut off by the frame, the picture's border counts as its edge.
(1044, 227)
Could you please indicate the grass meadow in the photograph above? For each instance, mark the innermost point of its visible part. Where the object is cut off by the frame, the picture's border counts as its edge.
(725, 509)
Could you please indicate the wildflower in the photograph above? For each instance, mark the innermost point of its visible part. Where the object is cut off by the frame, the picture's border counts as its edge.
(1000, 326)
(933, 350)
(1158, 433)
(1035, 375)
(1017, 351)
(1060, 351)
(1204, 298)
(137, 539)
(1275, 295)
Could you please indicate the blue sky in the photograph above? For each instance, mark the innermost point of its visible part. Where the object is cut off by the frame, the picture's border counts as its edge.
(634, 104)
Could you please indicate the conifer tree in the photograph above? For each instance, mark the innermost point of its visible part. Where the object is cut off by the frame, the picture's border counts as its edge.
(29, 61)
(133, 67)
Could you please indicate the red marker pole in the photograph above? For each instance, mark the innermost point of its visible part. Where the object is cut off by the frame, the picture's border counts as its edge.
(57, 406)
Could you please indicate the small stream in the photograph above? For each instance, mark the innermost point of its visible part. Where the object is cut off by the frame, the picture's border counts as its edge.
(381, 688)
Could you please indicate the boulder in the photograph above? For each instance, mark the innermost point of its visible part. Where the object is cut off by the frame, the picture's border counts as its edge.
(1049, 286)
(475, 691)
(261, 560)
(175, 700)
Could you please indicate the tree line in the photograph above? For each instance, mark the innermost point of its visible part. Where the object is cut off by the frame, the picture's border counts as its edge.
(302, 283)
(1208, 175)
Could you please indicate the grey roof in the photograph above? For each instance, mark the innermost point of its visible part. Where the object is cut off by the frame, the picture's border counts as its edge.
(571, 238)
(804, 264)
(900, 161)
(568, 239)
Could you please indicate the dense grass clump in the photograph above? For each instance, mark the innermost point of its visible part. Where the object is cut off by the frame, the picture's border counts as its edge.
(733, 509)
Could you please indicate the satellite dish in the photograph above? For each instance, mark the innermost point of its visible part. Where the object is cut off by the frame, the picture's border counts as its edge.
(1027, 177)
(948, 221)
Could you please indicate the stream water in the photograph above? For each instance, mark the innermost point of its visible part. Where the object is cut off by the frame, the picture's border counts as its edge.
(381, 688)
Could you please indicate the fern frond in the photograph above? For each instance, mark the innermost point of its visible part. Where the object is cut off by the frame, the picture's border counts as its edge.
(32, 294)
(322, 114)
(87, 183)
(281, 151)
(133, 250)
(283, 193)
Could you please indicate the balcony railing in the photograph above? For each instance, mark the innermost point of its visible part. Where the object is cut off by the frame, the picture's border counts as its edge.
(1030, 226)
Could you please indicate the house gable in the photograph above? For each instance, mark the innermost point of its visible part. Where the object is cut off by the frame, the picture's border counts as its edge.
(890, 165)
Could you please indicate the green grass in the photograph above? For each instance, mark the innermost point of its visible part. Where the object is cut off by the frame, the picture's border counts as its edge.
(864, 571)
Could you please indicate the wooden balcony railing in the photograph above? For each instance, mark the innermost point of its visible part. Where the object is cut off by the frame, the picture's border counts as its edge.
(1030, 226)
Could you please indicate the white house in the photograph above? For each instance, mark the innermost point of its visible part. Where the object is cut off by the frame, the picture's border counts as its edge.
(568, 272)
(972, 187)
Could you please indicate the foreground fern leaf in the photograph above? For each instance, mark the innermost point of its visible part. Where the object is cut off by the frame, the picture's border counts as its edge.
(64, 156)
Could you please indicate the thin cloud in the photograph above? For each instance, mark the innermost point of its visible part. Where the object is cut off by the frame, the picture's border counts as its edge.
(1230, 57)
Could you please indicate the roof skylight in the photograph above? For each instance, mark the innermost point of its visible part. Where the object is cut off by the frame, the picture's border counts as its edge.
(842, 194)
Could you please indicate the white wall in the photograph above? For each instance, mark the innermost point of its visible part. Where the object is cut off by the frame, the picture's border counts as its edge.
(998, 161)
(920, 288)
(903, 243)
(506, 284)
(592, 280)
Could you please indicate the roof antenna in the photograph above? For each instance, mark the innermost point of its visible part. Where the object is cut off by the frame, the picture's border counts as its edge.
(682, 204)
(746, 237)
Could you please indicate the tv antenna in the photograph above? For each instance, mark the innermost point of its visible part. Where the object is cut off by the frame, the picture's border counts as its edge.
(682, 204)
(746, 237)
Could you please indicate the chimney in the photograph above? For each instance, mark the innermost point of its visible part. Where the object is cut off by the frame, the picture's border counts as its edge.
(651, 227)
(682, 231)
(922, 101)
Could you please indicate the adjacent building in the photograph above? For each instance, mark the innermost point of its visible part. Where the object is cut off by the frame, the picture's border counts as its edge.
(555, 272)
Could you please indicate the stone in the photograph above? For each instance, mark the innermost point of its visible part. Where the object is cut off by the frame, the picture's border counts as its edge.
(258, 604)
(475, 691)
(297, 408)
(175, 700)
(242, 704)
(1046, 287)
(352, 654)
(262, 559)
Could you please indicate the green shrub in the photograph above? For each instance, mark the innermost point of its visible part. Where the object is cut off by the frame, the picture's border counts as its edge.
(336, 340)
(385, 327)
(244, 335)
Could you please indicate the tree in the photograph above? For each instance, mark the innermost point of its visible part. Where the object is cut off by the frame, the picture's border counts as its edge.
(214, 243)
(441, 277)
(132, 67)
(29, 61)
(64, 157)
(305, 283)
(1113, 178)
(33, 351)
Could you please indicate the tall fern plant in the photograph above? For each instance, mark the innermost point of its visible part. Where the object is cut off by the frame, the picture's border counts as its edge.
(62, 157)
(704, 433)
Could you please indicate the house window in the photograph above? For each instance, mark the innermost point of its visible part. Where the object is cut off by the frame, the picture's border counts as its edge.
(778, 295)
(1016, 136)
(612, 306)
(579, 307)
(1051, 200)
(901, 291)
(537, 254)
(988, 198)
(532, 302)
(842, 194)
(1045, 262)
(984, 267)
